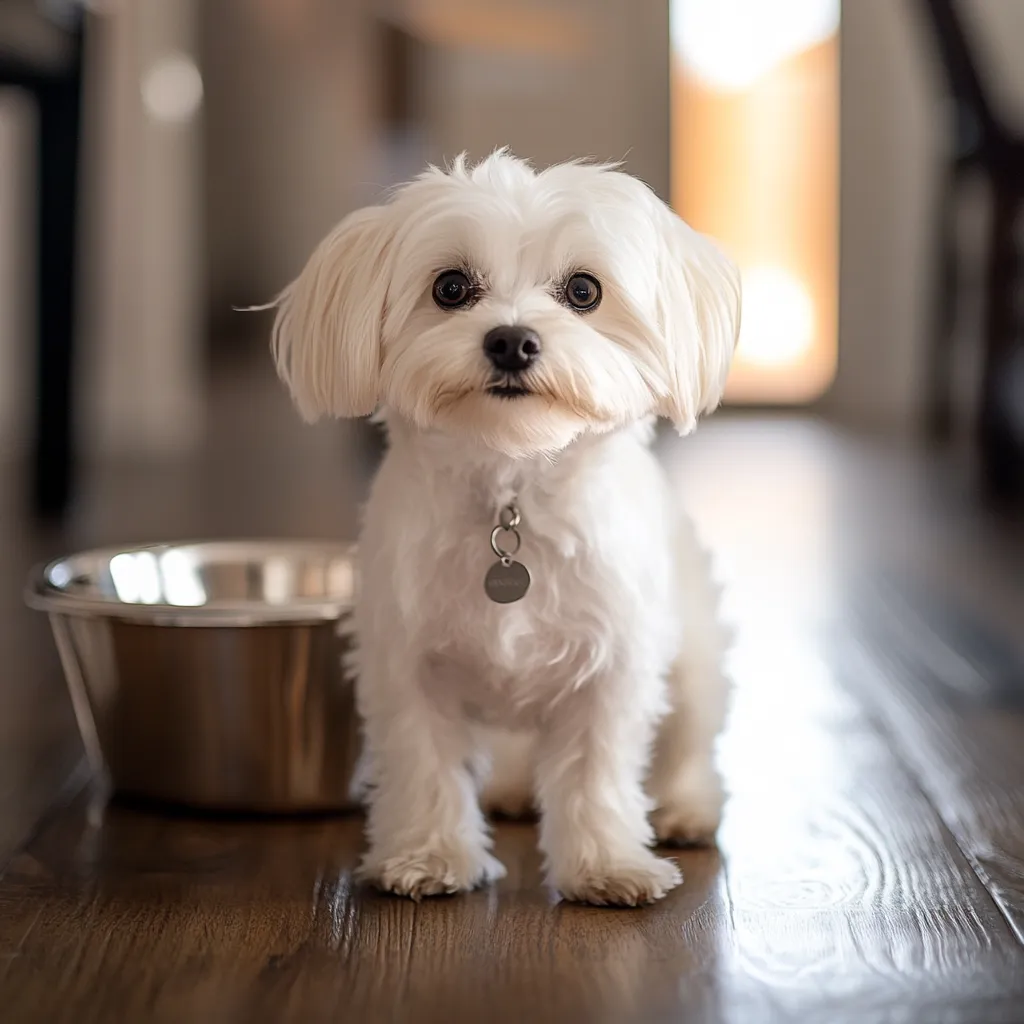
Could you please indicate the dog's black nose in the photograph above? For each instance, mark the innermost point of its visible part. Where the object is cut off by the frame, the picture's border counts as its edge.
(511, 348)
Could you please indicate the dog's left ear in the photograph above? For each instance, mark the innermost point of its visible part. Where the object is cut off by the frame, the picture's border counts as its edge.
(699, 298)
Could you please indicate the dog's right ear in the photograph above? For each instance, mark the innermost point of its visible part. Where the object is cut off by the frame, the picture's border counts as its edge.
(700, 303)
(327, 334)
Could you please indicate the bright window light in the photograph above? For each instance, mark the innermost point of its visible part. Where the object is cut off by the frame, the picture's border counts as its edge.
(778, 317)
(730, 44)
(755, 165)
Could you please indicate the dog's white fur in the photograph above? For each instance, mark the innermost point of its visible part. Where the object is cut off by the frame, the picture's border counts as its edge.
(597, 698)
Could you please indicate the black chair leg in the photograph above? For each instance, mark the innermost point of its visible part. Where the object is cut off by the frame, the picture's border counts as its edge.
(1000, 422)
(58, 135)
(939, 381)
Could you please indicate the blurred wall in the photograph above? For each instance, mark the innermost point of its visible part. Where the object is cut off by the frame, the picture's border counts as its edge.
(892, 136)
(17, 259)
(297, 127)
(142, 268)
(594, 84)
(288, 137)
(888, 146)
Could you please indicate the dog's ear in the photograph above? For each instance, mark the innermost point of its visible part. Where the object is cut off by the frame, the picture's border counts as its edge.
(327, 334)
(699, 300)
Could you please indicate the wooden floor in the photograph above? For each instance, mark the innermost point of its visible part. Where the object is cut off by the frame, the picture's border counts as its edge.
(871, 866)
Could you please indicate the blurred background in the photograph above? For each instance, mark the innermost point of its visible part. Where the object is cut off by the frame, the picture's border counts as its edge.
(164, 161)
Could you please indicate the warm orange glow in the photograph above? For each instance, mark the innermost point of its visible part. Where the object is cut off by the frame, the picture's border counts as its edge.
(492, 25)
(755, 164)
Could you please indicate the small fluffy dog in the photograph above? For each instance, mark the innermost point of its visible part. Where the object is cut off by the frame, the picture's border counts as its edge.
(536, 624)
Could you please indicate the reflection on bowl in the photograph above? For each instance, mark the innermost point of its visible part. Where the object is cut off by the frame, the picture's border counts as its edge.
(209, 674)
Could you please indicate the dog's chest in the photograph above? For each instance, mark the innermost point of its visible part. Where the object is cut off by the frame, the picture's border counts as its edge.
(500, 660)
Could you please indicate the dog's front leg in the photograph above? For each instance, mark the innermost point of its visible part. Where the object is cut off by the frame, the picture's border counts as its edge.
(594, 828)
(426, 832)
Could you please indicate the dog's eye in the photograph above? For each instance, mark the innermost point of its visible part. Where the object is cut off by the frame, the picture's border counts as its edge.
(582, 292)
(452, 289)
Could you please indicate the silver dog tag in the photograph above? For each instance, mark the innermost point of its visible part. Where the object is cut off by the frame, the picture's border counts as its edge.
(507, 581)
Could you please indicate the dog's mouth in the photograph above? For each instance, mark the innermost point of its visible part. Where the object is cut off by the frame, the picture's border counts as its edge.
(508, 390)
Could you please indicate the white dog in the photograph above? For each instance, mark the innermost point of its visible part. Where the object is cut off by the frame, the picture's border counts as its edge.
(536, 624)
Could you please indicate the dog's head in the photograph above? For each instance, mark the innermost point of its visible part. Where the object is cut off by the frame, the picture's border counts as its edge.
(516, 307)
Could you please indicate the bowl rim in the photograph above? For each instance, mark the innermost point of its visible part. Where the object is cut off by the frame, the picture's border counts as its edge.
(42, 594)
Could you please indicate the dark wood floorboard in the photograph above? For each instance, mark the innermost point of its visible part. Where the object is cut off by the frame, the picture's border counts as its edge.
(965, 748)
(870, 864)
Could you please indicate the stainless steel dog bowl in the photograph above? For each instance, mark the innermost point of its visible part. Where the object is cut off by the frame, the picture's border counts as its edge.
(209, 674)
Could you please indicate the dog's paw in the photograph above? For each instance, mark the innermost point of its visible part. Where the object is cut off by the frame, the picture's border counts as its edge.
(687, 823)
(628, 883)
(431, 871)
(691, 816)
(685, 826)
